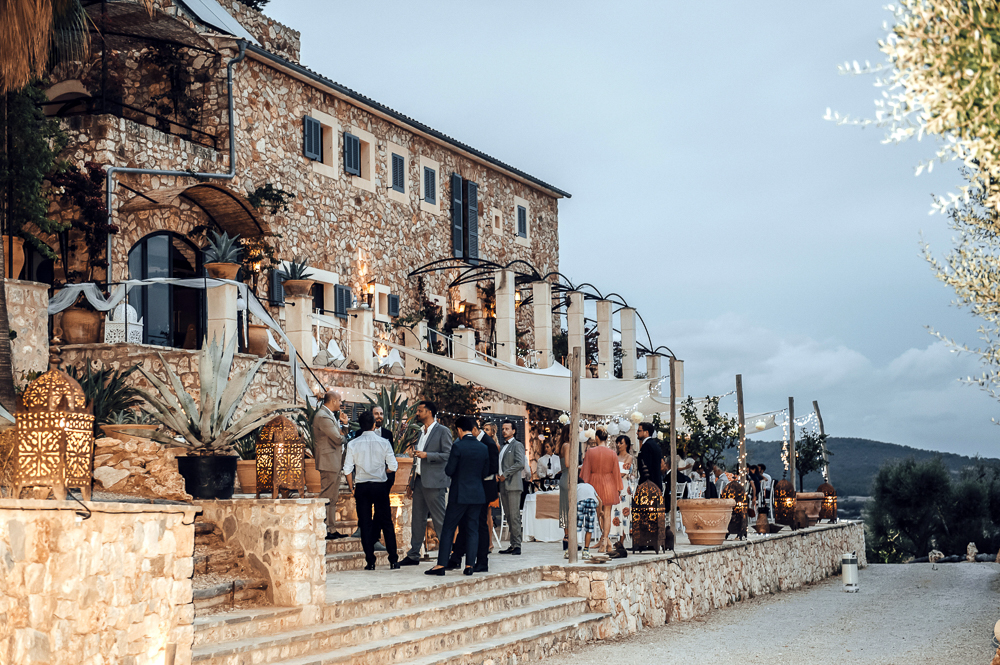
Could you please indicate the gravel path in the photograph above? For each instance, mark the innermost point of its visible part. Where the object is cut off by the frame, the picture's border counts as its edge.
(903, 614)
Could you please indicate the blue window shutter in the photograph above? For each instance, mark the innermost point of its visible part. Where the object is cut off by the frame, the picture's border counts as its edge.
(398, 173)
(430, 185)
(393, 305)
(352, 154)
(342, 298)
(522, 222)
(471, 221)
(457, 218)
(276, 291)
(312, 138)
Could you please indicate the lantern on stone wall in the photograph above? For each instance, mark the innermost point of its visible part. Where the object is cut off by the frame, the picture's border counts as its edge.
(738, 522)
(828, 511)
(280, 458)
(55, 437)
(648, 518)
(784, 502)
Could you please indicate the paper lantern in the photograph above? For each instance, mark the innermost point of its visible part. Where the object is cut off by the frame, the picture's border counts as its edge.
(738, 522)
(828, 511)
(659, 435)
(612, 428)
(583, 436)
(624, 425)
(784, 502)
(55, 437)
(590, 432)
(280, 458)
(760, 425)
(648, 518)
(563, 419)
(636, 417)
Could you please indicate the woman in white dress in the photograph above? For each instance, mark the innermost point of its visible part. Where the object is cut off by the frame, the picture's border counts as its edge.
(621, 514)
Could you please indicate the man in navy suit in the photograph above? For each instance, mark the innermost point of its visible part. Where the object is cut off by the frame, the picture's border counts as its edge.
(491, 487)
(468, 464)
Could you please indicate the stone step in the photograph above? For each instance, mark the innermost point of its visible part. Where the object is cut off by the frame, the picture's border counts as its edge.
(234, 625)
(215, 560)
(332, 643)
(343, 545)
(355, 561)
(228, 593)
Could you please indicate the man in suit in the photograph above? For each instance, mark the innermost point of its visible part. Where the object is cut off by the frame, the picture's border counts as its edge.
(650, 457)
(468, 464)
(511, 467)
(368, 457)
(428, 482)
(492, 491)
(328, 440)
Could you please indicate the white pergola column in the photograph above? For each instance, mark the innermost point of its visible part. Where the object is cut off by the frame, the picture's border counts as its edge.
(541, 295)
(605, 359)
(463, 347)
(221, 303)
(414, 339)
(576, 328)
(628, 342)
(298, 325)
(362, 325)
(506, 316)
(678, 380)
(654, 370)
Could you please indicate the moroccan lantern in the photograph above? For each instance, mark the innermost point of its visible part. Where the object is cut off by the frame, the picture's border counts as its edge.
(55, 437)
(648, 518)
(784, 502)
(280, 458)
(738, 522)
(828, 511)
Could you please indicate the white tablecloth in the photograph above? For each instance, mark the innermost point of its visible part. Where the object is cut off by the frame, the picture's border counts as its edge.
(547, 531)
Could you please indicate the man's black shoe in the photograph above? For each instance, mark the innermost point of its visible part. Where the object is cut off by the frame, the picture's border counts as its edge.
(435, 571)
(517, 551)
(407, 561)
(480, 568)
(333, 535)
(453, 565)
(509, 550)
(369, 566)
(394, 566)
(468, 570)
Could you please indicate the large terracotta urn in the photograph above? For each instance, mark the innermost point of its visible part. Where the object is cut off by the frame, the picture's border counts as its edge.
(314, 482)
(402, 475)
(127, 431)
(222, 270)
(16, 259)
(246, 472)
(257, 340)
(706, 520)
(81, 326)
(807, 508)
(298, 287)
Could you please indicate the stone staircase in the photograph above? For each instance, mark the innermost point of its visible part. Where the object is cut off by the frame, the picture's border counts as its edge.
(462, 622)
(221, 578)
(347, 553)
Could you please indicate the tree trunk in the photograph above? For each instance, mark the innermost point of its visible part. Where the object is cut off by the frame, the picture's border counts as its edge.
(7, 396)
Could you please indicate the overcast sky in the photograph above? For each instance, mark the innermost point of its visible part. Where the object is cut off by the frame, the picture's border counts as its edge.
(753, 236)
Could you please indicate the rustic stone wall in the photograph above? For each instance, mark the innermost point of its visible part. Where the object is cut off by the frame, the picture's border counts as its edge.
(27, 310)
(282, 540)
(651, 590)
(138, 467)
(112, 588)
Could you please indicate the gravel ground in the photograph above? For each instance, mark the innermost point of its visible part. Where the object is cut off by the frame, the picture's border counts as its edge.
(904, 614)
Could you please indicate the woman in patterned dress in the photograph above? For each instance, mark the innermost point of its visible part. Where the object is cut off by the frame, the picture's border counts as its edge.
(621, 514)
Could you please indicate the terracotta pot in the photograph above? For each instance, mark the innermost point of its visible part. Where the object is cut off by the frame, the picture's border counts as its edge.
(706, 520)
(246, 472)
(222, 270)
(298, 287)
(81, 326)
(807, 508)
(122, 432)
(402, 474)
(313, 482)
(18, 259)
(257, 340)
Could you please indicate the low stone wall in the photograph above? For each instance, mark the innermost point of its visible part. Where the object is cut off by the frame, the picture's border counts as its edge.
(112, 588)
(284, 541)
(650, 590)
(27, 310)
(138, 467)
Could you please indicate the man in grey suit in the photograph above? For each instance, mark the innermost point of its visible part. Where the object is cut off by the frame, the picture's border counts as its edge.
(328, 440)
(428, 482)
(511, 468)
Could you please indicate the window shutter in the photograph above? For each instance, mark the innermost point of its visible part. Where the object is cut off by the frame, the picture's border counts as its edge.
(393, 305)
(457, 228)
(430, 185)
(471, 222)
(312, 138)
(342, 298)
(398, 173)
(352, 154)
(522, 222)
(276, 292)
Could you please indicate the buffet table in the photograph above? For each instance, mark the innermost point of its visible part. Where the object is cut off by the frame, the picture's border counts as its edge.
(540, 519)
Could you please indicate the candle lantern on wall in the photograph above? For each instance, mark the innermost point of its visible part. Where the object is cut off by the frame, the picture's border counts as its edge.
(828, 511)
(648, 518)
(784, 503)
(280, 458)
(55, 437)
(738, 522)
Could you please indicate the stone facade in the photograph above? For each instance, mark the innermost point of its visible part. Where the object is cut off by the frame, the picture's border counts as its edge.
(138, 467)
(112, 588)
(283, 541)
(27, 303)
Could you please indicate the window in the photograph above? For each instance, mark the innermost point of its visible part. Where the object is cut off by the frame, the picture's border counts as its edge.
(312, 138)
(464, 218)
(352, 154)
(275, 290)
(393, 305)
(430, 185)
(497, 221)
(172, 315)
(320, 133)
(398, 173)
(522, 222)
(319, 301)
(343, 300)
(359, 151)
(428, 194)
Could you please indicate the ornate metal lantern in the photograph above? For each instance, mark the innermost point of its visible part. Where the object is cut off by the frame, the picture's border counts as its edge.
(738, 522)
(784, 502)
(648, 518)
(828, 511)
(55, 437)
(280, 458)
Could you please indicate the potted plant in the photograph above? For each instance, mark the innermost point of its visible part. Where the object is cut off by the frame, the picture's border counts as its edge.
(129, 422)
(208, 427)
(298, 280)
(112, 398)
(246, 467)
(222, 256)
(304, 419)
(401, 420)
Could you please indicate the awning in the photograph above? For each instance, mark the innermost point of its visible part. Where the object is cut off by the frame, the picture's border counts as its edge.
(129, 25)
(230, 210)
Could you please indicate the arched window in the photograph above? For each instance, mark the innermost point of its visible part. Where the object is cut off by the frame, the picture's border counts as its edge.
(172, 315)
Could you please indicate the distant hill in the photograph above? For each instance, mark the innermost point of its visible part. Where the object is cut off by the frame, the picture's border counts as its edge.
(854, 462)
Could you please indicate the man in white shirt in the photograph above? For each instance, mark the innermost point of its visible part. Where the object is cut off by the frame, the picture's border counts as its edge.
(368, 457)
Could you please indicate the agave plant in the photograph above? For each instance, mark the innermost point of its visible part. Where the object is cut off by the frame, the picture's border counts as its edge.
(222, 248)
(400, 418)
(208, 426)
(298, 269)
(107, 390)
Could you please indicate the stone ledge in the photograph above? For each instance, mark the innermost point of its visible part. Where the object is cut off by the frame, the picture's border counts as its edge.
(106, 507)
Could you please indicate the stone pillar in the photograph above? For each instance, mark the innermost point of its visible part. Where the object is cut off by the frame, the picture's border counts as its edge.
(605, 359)
(299, 325)
(221, 313)
(542, 308)
(628, 342)
(362, 324)
(464, 347)
(576, 329)
(506, 316)
(414, 339)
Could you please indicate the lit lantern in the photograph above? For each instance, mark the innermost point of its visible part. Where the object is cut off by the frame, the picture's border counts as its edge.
(280, 458)
(828, 511)
(784, 502)
(738, 522)
(648, 519)
(55, 437)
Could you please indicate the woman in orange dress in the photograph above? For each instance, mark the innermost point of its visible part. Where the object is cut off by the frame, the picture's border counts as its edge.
(601, 470)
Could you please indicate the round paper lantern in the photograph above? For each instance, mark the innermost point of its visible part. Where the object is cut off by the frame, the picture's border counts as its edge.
(590, 432)
(659, 435)
(636, 417)
(563, 419)
(612, 428)
(760, 425)
(624, 426)
(583, 436)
